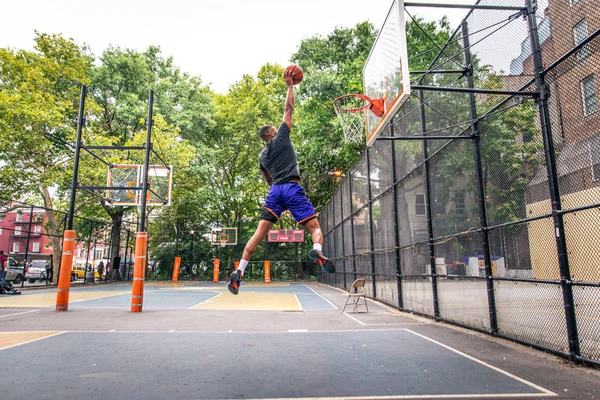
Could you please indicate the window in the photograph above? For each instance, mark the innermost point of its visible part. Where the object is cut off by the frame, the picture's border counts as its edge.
(580, 32)
(588, 95)
(16, 247)
(573, 2)
(420, 204)
(19, 217)
(595, 156)
(37, 229)
(98, 254)
(459, 203)
(17, 231)
(36, 247)
(0, 231)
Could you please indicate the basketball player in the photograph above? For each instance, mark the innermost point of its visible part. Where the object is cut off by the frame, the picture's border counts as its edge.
(279, 167)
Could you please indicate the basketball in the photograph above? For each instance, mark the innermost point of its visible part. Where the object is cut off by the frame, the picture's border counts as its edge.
(297, 73)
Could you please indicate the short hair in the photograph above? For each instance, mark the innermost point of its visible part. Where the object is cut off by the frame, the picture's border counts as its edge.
(264, 132)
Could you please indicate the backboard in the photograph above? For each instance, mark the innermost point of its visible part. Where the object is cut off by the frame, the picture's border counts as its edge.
(286, 236)
(385, 74)
(124, 175)
(223, 236)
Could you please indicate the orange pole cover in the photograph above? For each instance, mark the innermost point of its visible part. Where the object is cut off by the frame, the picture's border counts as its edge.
(66, 264)
(176, 269)
(137, 295)
(217, 263)
(267, 271)
(236, 265)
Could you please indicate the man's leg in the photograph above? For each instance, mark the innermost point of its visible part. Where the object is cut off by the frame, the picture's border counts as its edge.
(236, 276)
(314, 228)
(3, 281)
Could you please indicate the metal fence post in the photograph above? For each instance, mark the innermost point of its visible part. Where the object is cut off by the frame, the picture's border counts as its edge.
(428, 210)
(342, 232)
(397, 254)
(352, 225)
(475, 134)
(559, 229)
(27, 245)
(370, 194)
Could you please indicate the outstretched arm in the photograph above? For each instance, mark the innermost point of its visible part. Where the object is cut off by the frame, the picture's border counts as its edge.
(289, 100)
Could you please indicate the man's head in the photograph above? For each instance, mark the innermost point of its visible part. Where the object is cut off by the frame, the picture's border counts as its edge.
(267, 133)
(1, 251)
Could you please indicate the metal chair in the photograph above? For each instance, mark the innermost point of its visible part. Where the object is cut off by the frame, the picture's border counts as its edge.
(356, 292)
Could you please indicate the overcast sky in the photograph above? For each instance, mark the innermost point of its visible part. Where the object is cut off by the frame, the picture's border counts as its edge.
(218, 40)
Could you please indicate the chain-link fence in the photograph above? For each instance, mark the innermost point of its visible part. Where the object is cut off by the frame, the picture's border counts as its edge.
(31, 237)
(480, 203)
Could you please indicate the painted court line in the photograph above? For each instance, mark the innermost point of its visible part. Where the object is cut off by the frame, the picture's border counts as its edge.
(299, 303)
(19, 313)
(435, 396)
(209, 300)
(31, 341)
(333, 305)
(546, 392)
(391, 324)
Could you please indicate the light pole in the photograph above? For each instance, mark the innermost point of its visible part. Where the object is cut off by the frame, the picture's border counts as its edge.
(192, 252)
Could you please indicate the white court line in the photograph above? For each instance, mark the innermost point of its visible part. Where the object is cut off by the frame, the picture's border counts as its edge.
(350, 316)
(34, 340)
(424, 396)
(526, 382)
(209, 299)
(299, 304)
(19, 313)
(392, 324)
(333, 305)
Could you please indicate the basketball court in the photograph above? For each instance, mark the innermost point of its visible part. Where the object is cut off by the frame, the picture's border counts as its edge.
(198, 341)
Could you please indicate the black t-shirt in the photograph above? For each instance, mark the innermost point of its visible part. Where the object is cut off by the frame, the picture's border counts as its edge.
(279, 158)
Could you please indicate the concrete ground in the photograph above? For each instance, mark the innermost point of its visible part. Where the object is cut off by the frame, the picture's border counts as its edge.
(198, 341)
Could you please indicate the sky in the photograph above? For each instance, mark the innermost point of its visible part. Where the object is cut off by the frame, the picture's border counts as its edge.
(218, 40)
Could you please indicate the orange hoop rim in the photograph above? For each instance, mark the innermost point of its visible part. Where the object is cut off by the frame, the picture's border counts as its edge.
(353, 109)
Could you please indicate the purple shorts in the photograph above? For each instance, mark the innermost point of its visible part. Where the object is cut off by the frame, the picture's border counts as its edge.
(288, 196)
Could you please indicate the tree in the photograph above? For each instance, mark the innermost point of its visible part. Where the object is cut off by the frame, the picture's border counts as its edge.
(39, 95)
(120, 86)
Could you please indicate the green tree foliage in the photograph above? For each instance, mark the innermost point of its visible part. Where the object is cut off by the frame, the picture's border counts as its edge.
(39, 93)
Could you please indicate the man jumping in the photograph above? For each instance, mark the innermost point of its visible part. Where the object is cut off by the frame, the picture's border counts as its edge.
(279, 167)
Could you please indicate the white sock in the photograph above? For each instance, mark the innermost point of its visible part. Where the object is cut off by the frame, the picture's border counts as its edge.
(318, 246)
(242, 266)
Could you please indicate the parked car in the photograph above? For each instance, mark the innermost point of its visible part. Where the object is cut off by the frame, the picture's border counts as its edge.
(36, 270)
(15, 272)
(80, 273)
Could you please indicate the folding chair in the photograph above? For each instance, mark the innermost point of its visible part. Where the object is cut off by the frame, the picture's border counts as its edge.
(355, 295)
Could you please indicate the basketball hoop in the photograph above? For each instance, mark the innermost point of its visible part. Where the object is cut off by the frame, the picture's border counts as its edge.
(351, 110)
(223, 242)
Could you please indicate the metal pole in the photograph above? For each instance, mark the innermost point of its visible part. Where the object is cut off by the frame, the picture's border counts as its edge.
(61, 250)
(87, 256)
(78, 144)
(352, 225)
(428, 208)
(126, 270)
(27, 245)
(371, 223)
(333, 233)
(177, 223)
(342, 232)
(148, 146)
(397, 253)
(475, 134)
(559, 228)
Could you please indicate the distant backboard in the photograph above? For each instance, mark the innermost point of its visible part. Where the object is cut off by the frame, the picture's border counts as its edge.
(223, 236)
(124, 175)
(385, 74)
(286, 236)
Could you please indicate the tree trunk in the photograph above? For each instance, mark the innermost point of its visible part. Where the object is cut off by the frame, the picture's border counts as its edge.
(53, 231)
(116, 216)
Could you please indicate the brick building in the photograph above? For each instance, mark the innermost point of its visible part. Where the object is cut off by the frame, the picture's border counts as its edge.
(22, 234)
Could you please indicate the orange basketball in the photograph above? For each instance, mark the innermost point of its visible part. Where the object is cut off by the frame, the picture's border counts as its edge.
(297, 73)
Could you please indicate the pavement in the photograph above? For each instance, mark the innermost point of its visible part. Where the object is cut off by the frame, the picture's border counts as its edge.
(198, 341)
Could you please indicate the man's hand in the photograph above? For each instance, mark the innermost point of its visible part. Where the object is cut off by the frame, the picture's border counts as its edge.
(287, 77)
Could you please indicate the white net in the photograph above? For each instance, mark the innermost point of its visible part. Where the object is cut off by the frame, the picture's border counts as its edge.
(351, 111)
